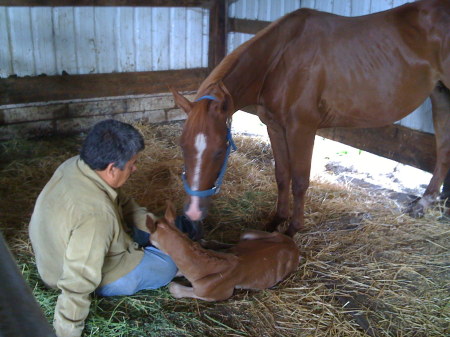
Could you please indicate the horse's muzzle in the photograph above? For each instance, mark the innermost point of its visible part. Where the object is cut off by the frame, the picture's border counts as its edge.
(196, 208)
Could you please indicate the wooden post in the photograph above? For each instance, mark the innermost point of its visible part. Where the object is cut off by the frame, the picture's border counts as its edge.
(20, 314)
(218, 19)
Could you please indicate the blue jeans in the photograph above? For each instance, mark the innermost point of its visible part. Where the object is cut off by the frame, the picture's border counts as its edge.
(155, 270)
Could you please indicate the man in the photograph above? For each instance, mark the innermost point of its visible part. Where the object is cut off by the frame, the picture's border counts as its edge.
(81, 226)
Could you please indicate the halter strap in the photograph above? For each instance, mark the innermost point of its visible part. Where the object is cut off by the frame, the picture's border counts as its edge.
(216, 188)
(210, 97)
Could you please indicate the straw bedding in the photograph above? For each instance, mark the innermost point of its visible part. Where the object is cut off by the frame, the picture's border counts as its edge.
(368, 269)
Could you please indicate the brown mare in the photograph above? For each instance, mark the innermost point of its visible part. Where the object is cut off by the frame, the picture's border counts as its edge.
(260, 260)
(312, 70)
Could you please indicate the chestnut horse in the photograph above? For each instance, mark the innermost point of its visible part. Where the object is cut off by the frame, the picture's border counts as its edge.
(258, 261)
(311, 70)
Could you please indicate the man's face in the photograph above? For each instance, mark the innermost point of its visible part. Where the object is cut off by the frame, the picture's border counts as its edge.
(121, 176)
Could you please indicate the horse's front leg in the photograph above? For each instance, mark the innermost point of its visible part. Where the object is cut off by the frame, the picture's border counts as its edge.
(301, 143)
(440, 100)
(282, 169)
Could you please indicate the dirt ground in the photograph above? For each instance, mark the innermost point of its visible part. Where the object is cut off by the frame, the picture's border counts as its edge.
(339, 163)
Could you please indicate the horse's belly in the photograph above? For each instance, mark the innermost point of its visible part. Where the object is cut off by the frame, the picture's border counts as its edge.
(369, 108)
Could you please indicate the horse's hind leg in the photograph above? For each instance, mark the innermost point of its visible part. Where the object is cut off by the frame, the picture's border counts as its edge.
(440, 100)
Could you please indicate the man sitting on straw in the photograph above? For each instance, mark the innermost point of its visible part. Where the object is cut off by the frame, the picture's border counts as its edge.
(82, 225)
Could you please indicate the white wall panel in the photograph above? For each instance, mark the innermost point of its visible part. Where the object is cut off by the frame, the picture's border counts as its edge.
(63, 28)
(360, 7)
(43, 42)
(105, 37)
(309, 4)
(125, 39)
(194, 37)
(83, 40)
(143, 38)
(21, 41)
(178, 38)
(380, 5)
(342, 8)
(160, 38)
(324, 5)
(5, 50)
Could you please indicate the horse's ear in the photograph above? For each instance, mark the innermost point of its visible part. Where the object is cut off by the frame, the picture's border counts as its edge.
(226, 101)
(151, 224)
(181, 101)
(170, 212)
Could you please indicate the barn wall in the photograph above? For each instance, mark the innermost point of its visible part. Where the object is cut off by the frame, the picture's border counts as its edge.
(82, 41)
(91, 47)
(269, 10)
(94, 40)
(74, 116)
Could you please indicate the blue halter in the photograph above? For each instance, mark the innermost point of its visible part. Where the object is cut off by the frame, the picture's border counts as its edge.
(216, 188)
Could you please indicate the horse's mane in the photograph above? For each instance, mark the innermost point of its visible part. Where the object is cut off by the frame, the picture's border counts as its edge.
(229, 62)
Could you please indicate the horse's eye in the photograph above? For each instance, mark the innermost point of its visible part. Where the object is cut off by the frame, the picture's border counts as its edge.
(218, 154)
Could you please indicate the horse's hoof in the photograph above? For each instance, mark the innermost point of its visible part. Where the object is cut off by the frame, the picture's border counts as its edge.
(416, 211)
(272, 226)
(418, 207)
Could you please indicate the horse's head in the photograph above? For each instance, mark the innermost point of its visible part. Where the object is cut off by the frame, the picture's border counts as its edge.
(206, 143)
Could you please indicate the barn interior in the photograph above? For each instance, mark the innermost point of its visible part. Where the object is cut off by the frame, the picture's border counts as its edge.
(368, 268)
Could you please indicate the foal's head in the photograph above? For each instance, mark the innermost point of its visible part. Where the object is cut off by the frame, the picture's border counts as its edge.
(162, 229)
(204, 144)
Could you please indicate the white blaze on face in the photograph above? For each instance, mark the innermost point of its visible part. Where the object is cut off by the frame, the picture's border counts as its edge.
(194, 212)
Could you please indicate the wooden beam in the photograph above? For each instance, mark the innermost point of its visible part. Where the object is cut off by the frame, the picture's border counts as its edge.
(66, 87)
(396, 142)
(81, 3)
(217, 32)
(247, 26)
(404, 145)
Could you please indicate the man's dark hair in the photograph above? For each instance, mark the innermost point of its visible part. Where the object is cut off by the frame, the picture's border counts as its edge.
(111, 141)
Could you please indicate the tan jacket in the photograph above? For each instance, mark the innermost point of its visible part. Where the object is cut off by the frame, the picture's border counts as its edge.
(78, 231)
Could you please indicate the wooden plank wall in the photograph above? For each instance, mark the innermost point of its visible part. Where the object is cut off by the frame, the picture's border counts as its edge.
(112, 76)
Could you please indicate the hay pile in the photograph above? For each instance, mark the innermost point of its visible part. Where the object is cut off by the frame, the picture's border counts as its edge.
(368, 270)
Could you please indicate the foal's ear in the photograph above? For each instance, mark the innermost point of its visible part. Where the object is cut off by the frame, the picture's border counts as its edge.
(151, 224)
(170, 212)
(181, 101)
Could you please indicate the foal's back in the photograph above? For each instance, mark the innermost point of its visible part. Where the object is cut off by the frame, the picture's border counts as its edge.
(264, 259)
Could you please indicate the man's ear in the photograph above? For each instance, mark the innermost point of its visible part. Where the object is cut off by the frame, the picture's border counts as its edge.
(181, 101)
(151, 224)
(110, 170)
(108, 174)
(170, 214)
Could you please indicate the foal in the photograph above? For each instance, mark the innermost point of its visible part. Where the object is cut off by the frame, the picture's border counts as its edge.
(260, 260)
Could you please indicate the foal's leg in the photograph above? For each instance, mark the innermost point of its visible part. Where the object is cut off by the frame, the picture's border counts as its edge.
(282, 171)
(440, 100)
(301, 143)
(179, 291)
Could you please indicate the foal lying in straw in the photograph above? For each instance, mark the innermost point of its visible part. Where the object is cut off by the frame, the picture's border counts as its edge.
(259, 261)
